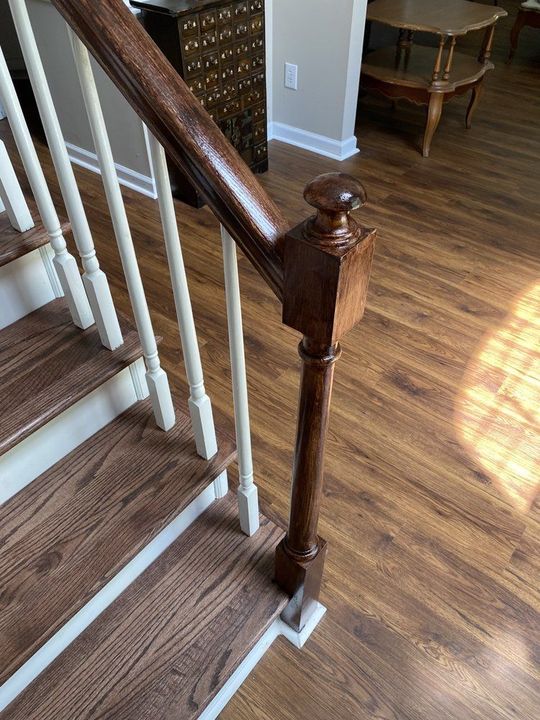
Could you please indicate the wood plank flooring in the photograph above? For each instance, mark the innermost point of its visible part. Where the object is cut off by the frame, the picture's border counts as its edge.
(79, 523)
(432, 466)
(14, 244)
(47, 365)
(176, 634)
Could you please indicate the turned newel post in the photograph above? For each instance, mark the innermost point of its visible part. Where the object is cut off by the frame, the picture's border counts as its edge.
(327, 262)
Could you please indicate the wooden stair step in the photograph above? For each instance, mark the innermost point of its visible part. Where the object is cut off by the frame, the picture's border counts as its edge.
(14, 244)
(47, 364)
(69, 532)
(166, 646)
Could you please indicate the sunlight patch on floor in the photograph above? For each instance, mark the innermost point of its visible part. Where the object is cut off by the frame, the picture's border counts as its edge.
(497, 411)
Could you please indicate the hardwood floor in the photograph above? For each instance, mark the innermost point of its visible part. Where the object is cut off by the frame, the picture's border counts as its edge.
(433, 461)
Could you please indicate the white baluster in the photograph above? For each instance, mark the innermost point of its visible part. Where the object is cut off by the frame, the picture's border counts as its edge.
(248, 503)
(158, 383)
(12, 196)
(200, 406)
(94, 278)
(64, 263)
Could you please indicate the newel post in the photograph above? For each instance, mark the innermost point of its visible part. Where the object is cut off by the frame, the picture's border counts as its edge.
(327, 262)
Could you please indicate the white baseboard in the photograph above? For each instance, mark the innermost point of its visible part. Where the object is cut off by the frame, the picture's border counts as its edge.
(46, 446)
(320, 144)
(277, 628)
(143, 184)
(108, 594)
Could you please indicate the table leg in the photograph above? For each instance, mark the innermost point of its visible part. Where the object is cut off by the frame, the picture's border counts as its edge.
(475, 99)
(514, 33)
(433, 117)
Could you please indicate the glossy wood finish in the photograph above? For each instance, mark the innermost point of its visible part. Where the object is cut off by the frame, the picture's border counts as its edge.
(327, 263)
(179, 630)
(14, 244)
(176, 118)
(47, 365)
(445, 17)
(431, 580)
(89, 515)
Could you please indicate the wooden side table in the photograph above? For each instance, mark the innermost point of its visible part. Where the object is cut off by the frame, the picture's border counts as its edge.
(525, 16)
(426, 75)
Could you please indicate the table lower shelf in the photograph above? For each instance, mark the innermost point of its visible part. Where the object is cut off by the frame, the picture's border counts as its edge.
(413, 68)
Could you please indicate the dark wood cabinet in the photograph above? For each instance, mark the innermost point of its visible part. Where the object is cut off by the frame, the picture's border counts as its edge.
(219, 50)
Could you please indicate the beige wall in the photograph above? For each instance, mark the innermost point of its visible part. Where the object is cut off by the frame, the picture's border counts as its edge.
(324, 38)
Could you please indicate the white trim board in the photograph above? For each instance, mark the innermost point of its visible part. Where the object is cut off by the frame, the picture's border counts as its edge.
(320, 144)
(277, 628)
(143, 184)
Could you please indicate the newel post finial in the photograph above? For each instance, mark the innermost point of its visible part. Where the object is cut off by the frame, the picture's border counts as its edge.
(327, 262)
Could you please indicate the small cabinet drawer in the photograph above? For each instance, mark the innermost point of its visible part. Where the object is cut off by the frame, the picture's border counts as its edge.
(211, 79)
(208, 41)
(259, 132)
(256, 6)
(225, 15)
(257, 62)
(192, 46)
(244, 85)
(258, 78)
(193, 67)
(256, 24)
(210, 61)
(243, 66)
(226, 54)
(208, 20)
(189, 25)
(213, 98)
(241, 30)
(259, 112)
(227, 72)
(196, 85)
(229, 90)
(240, 9)
(251, 98)
(241, 49)
(257, 43)
(225, 34)
(260, 152)
(229, 108)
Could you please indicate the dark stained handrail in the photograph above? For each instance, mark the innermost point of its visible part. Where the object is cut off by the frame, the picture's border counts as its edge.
(164, 102)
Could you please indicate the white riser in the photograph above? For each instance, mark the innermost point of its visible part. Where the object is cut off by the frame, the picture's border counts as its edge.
(25, 286)
(27, 460)
(86, 615)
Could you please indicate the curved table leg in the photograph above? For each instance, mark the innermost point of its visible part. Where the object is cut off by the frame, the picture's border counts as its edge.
(433, 117)
(521, 19)
(475, 99)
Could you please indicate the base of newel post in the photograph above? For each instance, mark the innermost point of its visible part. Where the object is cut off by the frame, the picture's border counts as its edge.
(72, 286)
(202, 423)
(248, 509)
(101, 302)
(301, 578)
(160, 396)
(221, 485)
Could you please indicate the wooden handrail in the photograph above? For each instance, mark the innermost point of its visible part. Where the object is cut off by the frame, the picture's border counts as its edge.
(164, 102)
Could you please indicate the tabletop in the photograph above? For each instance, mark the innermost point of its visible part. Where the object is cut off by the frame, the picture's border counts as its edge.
(444, 17)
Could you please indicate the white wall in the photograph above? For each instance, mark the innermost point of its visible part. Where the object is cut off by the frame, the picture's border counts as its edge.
(324, 38)
(125, 129)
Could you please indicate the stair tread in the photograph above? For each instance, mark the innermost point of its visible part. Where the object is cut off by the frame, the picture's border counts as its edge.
(166, 646)
(79, 523)
(47, 364)
(14, 244)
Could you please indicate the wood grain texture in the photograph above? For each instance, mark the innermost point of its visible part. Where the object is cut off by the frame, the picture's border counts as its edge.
(76, 526)
(192, 140)
(14, 244)
(164, 649)
(442, 630)
(47, 364)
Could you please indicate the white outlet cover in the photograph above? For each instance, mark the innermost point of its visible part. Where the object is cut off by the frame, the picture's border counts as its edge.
(291, 76)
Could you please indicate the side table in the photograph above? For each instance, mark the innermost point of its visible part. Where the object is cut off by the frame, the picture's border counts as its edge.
(425, 75)
(525, 16)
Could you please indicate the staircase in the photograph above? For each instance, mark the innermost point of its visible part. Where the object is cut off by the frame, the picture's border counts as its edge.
(133, 582)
